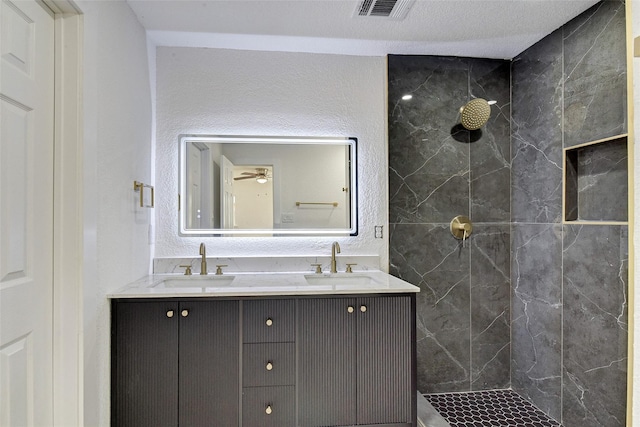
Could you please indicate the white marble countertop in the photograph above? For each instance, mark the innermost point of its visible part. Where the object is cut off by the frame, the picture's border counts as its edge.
(264, 284)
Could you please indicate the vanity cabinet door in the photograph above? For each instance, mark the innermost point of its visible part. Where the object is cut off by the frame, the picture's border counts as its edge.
(209, 363)
(386, 391)
(326, 360)
(356, 361)
(175, 364)
(144, 364)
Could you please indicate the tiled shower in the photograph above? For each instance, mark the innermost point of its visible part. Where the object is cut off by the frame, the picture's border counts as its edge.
(527, 302)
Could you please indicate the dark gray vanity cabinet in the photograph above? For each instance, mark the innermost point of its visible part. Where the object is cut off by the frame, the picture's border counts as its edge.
(264, 362)
(356, 361)
(175, 363)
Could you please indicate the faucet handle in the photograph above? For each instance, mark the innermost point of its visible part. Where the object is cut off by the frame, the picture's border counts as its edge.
(349, 270)
(219, 268)
(318, 268)
(187, 271)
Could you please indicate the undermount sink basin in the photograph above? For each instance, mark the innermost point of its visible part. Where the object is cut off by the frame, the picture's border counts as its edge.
(196, 281)
(339, 280)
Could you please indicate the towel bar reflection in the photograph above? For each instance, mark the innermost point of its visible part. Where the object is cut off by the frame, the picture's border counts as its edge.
(334, 204)
(139, 186)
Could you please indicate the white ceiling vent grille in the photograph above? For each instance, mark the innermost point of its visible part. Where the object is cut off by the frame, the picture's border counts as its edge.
(391, 9)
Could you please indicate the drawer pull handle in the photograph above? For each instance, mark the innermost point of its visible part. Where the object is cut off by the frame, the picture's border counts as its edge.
(185, 313)
(363, 308)
(169, 314)
(269, 321)
(268, 411)
(350, 309)
(269, 366)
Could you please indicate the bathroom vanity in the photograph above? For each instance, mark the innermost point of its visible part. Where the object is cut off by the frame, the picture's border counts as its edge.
(264, 350)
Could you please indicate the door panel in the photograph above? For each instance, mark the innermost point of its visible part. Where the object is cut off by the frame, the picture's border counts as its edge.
(227, 214)
(26, 213)
(384, 360)
(194, 187)
(16, 124)
(326, 364)
(14, 360)
(145, 364)
(209, 363)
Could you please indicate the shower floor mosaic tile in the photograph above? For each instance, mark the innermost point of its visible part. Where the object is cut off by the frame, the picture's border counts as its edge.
(492, 408)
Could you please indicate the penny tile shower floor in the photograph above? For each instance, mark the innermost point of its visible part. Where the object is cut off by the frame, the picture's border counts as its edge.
(493, 408)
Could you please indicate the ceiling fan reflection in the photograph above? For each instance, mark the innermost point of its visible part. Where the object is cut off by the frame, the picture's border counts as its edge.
(260, 176)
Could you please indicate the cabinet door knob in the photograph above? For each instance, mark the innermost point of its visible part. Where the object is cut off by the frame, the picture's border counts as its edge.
(169, 314)
(269, 321)
(185, 313)
(268, 410)
(269, 366)
(363, 308)
(350, 309)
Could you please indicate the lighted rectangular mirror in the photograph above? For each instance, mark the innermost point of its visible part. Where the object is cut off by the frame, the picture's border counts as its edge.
(268, 186)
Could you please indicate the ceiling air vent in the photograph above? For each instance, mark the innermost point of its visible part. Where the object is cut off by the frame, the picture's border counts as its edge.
(392, 9)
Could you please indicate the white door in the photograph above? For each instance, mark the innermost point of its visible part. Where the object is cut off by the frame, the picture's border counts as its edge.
(26, 214)
(226, 194)
(194, 187)
(346, 189)
(206, 193)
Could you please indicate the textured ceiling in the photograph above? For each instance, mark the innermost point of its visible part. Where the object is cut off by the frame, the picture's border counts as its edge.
(476, 28)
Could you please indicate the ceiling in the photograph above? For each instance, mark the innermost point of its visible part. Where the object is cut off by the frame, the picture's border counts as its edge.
(475, 28)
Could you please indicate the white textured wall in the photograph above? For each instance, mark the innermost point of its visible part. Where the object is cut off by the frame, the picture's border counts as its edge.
(117, 151)
(227, 92)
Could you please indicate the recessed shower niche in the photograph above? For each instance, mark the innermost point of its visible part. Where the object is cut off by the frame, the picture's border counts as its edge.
(596, 181)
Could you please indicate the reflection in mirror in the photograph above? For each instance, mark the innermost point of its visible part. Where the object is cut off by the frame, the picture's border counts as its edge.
(248, 185)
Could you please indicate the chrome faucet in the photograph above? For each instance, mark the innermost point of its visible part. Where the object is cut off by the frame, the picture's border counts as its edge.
(203, 263)
(335, 247)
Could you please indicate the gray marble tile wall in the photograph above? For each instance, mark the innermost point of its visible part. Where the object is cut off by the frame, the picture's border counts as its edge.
(595, 74)
(536, 126)
(536, 325)
(427, 256)
(491, 308)
(528, 302)
(428, 152)
(594, 325)
(569, 282)
(438, 170)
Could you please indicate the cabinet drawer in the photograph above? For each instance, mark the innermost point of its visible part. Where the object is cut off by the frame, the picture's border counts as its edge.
(268, 407)
(269, 321)
(268, 364)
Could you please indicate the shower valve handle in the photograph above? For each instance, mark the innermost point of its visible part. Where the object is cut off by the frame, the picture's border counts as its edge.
(461, 227)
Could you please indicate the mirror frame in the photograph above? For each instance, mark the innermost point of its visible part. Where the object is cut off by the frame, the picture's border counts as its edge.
(350, 142)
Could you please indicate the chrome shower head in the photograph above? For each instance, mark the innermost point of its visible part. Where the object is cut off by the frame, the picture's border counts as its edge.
(475, 113)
